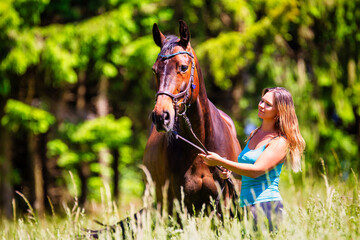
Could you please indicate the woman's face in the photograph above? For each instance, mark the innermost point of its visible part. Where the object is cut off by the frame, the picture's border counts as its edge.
(267, 109)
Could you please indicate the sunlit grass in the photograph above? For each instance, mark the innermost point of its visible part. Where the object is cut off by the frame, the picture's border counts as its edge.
(314, 209)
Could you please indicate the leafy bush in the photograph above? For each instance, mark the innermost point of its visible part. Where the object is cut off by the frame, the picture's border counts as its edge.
(19, 114)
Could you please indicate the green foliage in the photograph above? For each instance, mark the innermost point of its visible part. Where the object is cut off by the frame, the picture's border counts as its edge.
(82, 144)
(20, 115)
(9, 18)
(302, 47)
(30, 10)
(226, 62)
(23, 55)
(107, 130)
(59, 63)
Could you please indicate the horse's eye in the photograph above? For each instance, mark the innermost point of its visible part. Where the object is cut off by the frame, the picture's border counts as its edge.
(183, 68)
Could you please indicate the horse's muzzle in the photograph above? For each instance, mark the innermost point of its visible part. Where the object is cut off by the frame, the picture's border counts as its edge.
(162, 121)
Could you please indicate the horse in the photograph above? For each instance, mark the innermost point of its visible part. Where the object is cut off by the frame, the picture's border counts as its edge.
(182, 108)
(182, 115)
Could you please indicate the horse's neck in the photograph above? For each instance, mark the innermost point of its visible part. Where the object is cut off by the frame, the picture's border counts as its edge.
(199, 112)
(198, 115)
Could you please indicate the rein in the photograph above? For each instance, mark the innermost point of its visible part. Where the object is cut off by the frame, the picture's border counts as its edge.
(185, 95)
(202, 149)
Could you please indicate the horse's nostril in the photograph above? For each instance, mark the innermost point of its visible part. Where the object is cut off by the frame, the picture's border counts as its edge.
(166, 116)
(153, 117)
(161, 121)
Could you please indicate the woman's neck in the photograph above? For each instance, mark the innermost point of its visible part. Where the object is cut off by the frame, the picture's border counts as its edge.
(268, 126)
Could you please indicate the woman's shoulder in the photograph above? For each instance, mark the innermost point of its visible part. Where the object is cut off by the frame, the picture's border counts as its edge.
(279, 141)
(253, 132)
(283, 139)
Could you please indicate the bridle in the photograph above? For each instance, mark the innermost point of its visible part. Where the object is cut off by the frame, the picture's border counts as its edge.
(185, 94)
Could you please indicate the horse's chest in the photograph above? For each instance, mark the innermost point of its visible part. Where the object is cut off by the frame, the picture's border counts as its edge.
(196, 179)
(182, 169)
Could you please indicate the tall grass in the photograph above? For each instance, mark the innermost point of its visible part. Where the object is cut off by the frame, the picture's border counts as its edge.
(314, 209)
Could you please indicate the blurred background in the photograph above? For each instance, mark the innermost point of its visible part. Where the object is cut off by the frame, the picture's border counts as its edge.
(77, 88)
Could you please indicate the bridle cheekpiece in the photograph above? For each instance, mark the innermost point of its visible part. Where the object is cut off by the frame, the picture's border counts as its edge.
(184, 94)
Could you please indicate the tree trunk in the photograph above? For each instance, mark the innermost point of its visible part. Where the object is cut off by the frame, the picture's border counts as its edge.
(81, 92)
(102, 103)
(42, 149)
(84, 173)
(38, 174)
(5, 169)
(102, 108)
(116, 178)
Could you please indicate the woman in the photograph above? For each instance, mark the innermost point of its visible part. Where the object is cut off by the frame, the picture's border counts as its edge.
(261, 160)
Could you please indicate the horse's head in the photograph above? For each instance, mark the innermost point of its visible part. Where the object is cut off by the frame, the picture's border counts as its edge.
(176, 77)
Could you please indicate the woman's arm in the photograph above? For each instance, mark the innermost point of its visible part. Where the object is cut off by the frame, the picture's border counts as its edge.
(272, 156)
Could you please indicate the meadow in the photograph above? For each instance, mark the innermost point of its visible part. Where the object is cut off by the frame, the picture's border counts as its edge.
(77, 88)
(314, 208)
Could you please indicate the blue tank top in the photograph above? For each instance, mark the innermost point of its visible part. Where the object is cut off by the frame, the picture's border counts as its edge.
(263, 188)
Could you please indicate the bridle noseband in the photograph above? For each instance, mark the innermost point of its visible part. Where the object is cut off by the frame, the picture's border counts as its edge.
(184, 94)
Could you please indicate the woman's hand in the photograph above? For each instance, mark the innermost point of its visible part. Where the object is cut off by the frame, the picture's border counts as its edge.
(225, 173)
(212, 159)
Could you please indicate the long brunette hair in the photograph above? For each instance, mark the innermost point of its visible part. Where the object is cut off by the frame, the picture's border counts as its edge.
(287, 124)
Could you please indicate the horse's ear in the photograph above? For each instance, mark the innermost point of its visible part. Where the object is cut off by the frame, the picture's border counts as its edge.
(184, 34)
(159, 38)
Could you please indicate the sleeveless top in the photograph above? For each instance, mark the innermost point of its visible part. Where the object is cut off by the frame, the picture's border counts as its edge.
(263, 188)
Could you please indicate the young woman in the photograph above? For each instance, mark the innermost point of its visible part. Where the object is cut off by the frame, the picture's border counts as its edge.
(261, 160)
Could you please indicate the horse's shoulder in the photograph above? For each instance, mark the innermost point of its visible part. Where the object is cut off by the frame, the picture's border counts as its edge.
(228, 121)
(228, 124)
(224, 117)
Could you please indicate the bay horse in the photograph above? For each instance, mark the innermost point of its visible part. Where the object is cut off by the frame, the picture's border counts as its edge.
(183, 109)
(183, 115)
